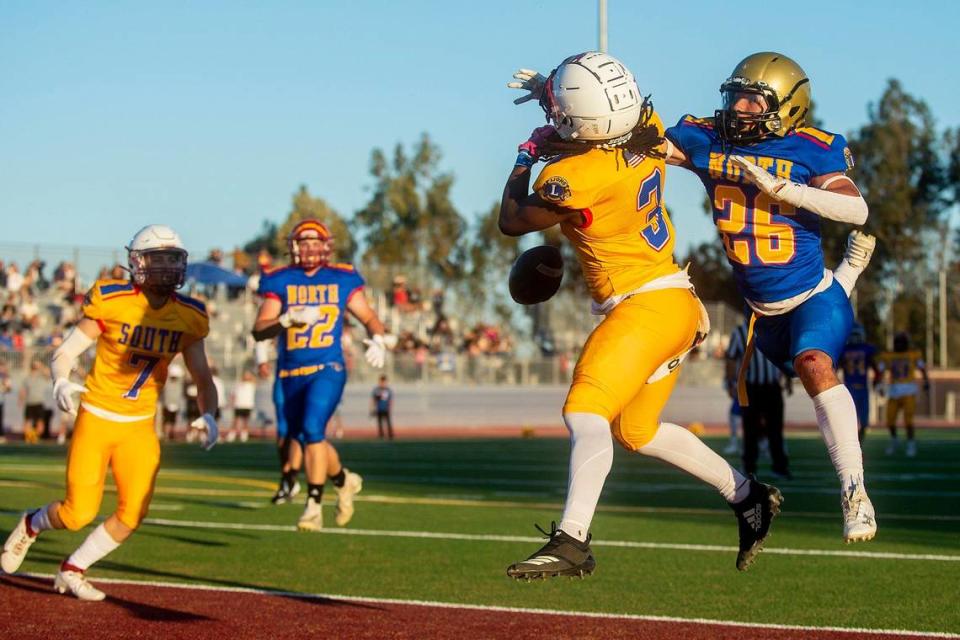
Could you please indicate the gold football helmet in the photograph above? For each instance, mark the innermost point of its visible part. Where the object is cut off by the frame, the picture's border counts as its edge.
(784, 87)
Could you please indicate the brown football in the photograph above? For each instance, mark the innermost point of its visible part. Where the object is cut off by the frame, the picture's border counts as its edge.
(536, 275)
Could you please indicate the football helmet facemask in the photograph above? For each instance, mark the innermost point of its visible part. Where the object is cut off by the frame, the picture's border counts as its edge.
(593, 97)
(157, 260)
(310, 244)
(784, 88)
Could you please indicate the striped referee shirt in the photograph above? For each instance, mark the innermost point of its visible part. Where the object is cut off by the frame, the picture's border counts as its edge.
(760, 370)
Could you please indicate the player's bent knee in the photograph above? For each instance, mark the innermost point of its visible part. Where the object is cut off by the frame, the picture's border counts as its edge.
(75, 518)
(132, 517)
(633, 437)
(585, 397)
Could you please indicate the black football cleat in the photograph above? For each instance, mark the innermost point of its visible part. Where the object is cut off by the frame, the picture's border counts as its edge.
(285, 493)
(754, 515)
(563, 555)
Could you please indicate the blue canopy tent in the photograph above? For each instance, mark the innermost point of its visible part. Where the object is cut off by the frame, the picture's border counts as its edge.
(208, 273)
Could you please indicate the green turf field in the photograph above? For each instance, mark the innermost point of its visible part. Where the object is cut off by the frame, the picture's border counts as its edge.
(441, 520)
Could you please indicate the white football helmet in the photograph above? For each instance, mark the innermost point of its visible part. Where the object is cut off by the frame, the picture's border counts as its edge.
(592, 96)
(157, 259)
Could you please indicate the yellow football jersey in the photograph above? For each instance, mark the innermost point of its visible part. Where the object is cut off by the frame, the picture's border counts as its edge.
(626, 238)
(902, 365)
(136, 345)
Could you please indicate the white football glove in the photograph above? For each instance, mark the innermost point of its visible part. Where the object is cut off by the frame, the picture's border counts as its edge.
(300, 316)
(860, 248)
(207, 424)
(63, 389)
(531, 81)
(763, 179)
(376, 353)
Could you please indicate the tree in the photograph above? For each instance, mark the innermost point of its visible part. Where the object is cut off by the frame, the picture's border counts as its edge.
(900, 173)
(490, 256)
(305, 206)
(265, 239)
(409, 221)
(712, 275)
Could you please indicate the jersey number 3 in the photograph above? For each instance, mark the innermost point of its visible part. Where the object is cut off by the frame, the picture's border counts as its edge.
(655, 231)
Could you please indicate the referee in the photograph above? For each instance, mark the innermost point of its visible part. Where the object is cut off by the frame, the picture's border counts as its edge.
(764, 415)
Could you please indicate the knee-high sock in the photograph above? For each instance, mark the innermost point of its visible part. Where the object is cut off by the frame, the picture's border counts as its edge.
(591, 456)
(97, 545)
(682, 449)
(847, 275)
(837, 419)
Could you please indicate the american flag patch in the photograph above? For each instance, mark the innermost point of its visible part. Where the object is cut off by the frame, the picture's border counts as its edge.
(633, 159)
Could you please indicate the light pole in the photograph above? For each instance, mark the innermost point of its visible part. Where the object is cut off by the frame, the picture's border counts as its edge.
(602, 11)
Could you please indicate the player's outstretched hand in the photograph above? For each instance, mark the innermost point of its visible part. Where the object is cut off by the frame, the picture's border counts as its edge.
(763, 179)
(528, 80)
(376, 353)
(63, 389)
(207, 424)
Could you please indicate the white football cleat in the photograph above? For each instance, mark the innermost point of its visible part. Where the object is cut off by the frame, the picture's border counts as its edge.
(16, 546)
(860, 248)
(77, 584)
(859, 518)
(312, 517)
(352, 485)
(911, 448)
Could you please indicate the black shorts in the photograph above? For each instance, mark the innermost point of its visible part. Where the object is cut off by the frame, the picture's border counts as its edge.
(241, 413)
(170, 417)
(34, 412)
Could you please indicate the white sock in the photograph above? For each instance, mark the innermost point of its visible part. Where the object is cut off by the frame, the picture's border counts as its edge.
(40, 521)
(682, 449)
(97, 545)
(847, 275)
(591, 457)
(837, 418)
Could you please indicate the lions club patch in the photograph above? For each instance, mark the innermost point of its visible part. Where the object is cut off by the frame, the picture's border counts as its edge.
(555, 189)
(848, 156)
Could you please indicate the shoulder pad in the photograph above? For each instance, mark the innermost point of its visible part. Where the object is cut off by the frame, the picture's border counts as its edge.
(820, 136)
(191, 303)
(703, 123)
(113, 287)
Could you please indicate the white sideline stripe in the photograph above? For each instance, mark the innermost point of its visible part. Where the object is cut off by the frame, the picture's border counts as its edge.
(480, 502)
(480, 607)
(627, 544)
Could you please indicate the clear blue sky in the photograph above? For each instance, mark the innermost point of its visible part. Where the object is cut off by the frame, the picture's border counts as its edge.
(207, 116)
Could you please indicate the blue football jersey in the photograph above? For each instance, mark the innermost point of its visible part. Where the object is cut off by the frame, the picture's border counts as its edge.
(773, 247)
(856, 361)
(330, 288)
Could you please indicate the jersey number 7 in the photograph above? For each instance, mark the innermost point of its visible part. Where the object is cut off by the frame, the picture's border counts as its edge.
(146, 365)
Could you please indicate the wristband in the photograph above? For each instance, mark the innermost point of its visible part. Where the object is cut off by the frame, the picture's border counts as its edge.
(524, 159)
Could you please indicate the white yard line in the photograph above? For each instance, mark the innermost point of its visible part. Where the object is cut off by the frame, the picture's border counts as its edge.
(515, 610)
(628, 544)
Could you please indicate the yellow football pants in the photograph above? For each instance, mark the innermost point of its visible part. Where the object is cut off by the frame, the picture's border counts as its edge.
(610, 379)
(133, 453)
(907, 403)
